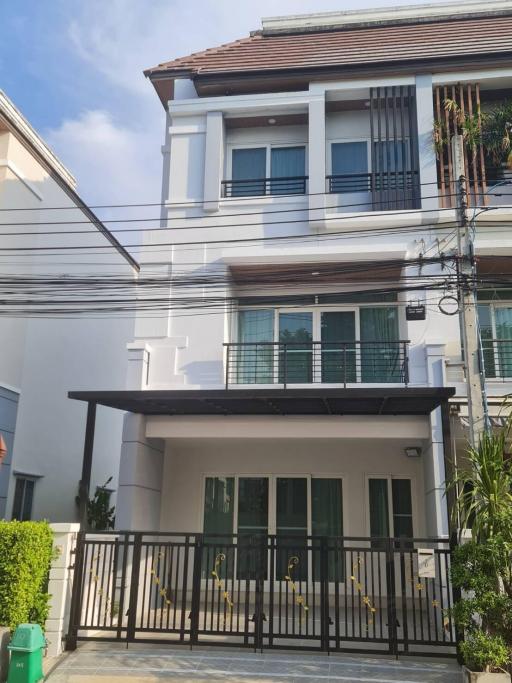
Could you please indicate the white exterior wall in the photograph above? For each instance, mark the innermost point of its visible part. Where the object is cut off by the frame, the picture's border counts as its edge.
(187, 462)
(43, 359)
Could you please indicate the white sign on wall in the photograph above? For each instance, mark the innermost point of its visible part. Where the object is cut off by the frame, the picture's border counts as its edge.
(426, 563)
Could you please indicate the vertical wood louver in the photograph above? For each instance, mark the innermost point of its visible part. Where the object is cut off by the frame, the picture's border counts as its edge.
(457, 110)
(394, 179)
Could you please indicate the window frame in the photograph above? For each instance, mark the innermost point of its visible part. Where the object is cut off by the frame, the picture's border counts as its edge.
(231, 146)
(391, 523)
(20, 477)
(317, 311)
(493, 305)
(337, 141)
(272, 494)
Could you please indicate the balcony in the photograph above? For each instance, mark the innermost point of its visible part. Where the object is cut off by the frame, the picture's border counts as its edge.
(340, 363)
(264, 186)
(497, 355)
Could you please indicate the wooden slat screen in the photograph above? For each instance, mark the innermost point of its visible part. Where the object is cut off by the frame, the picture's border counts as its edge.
(467, 98)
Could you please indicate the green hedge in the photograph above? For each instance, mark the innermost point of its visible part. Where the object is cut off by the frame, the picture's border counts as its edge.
(25, 557)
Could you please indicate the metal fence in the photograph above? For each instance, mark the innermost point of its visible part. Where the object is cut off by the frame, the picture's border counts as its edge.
(319, 593)
(340, 362)
(264, 186)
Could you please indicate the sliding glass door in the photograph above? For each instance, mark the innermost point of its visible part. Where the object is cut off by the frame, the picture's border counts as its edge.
(292, 508)
(296, 349)
(253, 504)
(380, 349)
(255, 361)
(338, 332)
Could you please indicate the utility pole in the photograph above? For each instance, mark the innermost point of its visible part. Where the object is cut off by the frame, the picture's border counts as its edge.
(466, 284)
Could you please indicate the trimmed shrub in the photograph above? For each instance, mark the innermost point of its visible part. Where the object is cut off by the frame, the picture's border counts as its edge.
(25, 558)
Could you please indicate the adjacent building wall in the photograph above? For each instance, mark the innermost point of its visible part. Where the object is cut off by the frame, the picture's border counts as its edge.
(42, 359)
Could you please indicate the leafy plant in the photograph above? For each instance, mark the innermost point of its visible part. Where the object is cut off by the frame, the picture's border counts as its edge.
(482, 572)
(483, 652)
(483, 485)
(25, 557)
(100, 515)
(497, 133)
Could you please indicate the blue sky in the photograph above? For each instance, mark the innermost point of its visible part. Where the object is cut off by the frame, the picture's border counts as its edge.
(74, 68)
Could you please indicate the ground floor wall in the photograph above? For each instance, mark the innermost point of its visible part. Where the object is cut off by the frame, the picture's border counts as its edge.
(187, 464)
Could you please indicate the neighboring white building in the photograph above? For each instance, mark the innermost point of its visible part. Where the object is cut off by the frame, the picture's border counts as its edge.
(41, 358)
(325, 123)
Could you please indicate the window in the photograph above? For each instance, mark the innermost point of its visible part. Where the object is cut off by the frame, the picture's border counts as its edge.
(248, 170)
(351, 345)
(495, 322)
(387, 520)
(252, 167)
(295, 359)
(23, 497)
(255, 363)
(349, 161)
(289, 507)
(288, 163)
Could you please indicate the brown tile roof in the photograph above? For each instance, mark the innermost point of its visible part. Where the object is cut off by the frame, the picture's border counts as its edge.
(349, 47)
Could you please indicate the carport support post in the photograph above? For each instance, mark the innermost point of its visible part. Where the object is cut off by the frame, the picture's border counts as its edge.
(85, 481)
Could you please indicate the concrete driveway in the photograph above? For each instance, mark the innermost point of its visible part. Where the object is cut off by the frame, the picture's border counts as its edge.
(97, 662)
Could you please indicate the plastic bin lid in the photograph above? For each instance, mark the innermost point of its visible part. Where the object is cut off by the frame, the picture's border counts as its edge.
(27, 638)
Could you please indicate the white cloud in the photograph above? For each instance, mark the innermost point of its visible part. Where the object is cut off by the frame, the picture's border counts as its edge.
(114, 163)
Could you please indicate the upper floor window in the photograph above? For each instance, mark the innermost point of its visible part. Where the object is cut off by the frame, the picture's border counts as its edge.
(349, 167)
(495, 320)
(267, 170)
(304, 346)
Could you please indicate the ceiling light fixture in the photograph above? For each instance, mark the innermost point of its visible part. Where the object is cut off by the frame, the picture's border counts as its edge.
(271, 121)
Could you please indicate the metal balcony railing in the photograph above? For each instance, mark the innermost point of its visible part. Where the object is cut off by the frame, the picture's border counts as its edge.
(497, 354)
(387, 181)
(264, 186)
(341, 363)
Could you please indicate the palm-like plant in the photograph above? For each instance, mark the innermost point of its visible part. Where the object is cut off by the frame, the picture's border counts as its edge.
(484, 488)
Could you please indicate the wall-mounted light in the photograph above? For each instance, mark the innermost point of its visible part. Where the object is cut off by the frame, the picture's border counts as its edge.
(412, 451)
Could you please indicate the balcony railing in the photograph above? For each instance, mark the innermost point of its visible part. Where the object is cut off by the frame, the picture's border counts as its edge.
(264, 186)
(340, 363)
(388, 190)
(497, 354)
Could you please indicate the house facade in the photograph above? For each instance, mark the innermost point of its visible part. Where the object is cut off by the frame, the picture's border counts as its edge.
(39, 476)
(305, 379)
(305, 208)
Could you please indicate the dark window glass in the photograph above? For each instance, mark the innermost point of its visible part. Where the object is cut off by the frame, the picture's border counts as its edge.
(402, 508)
(349, 162)
(248, 172)
(23, 497)
(379, 507)
(327, 520)
(288, 163)
(252, 527)
(218, 526)
(291, 527)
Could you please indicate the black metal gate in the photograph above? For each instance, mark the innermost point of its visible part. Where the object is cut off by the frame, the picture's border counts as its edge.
(328, 594)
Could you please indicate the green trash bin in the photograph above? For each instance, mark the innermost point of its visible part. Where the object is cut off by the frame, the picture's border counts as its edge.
(26, 646)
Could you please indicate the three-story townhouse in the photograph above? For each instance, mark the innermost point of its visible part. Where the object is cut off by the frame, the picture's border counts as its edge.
(305, 380)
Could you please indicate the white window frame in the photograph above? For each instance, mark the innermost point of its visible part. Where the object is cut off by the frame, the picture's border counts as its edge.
(268, 146)
(317, 311)
(335, 141)
(493, 305)
(389, 478)
(25, 477)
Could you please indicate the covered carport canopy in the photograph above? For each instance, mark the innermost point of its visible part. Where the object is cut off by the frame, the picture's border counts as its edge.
(256, 401)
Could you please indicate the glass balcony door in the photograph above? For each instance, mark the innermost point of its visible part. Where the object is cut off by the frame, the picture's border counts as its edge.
(339, 350)
(296, 348)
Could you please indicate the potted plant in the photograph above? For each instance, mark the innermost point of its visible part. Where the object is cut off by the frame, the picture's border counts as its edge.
(482, 568)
